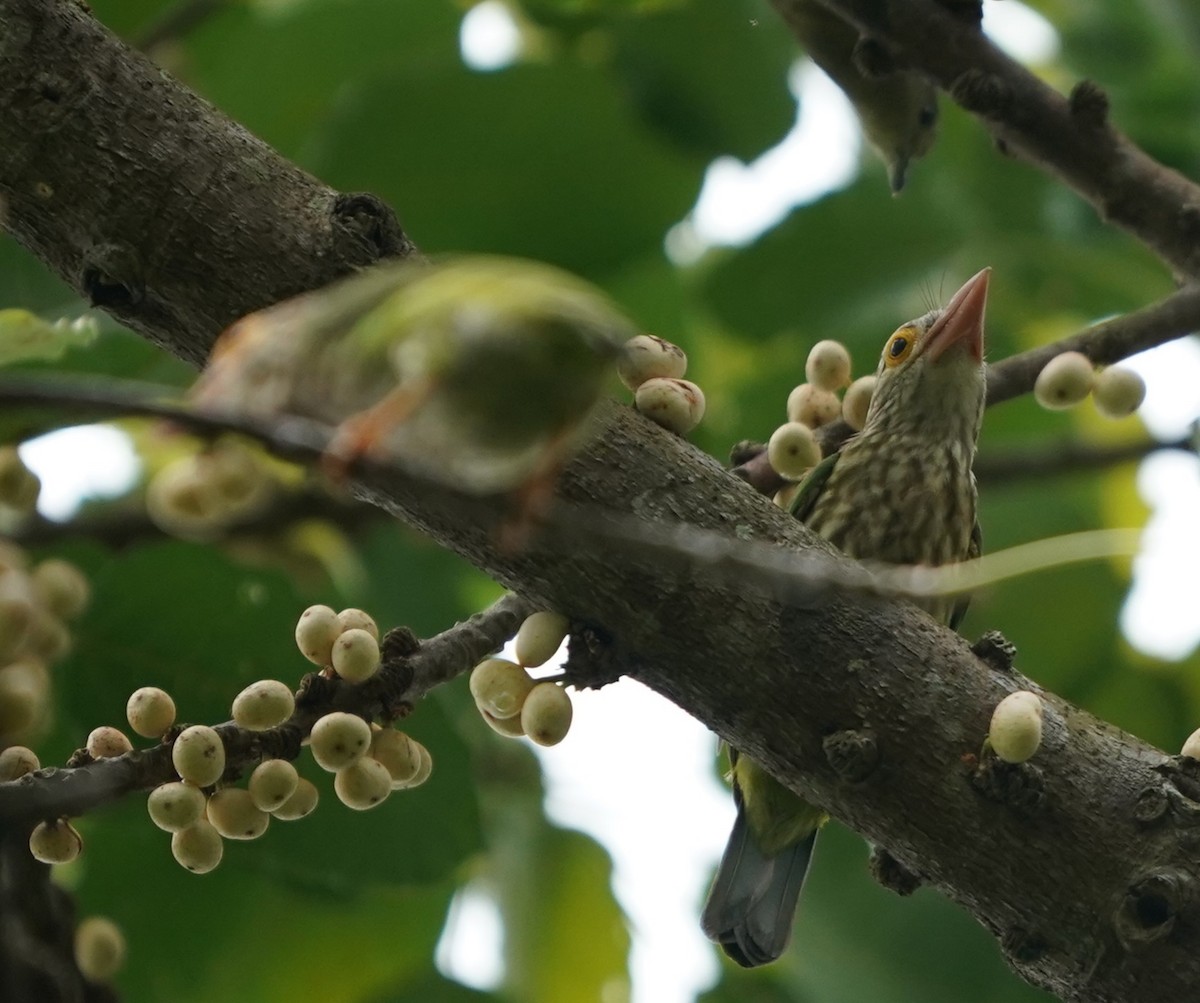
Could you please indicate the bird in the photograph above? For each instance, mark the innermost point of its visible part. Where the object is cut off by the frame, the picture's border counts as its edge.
(478, 371)
(898, 112)
(902, 491)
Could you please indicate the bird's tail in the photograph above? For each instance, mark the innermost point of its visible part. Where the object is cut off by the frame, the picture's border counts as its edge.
(752, 903)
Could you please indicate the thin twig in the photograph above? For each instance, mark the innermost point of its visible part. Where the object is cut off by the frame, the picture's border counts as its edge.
(1069, 137)
(74, 791)
(1067, 457)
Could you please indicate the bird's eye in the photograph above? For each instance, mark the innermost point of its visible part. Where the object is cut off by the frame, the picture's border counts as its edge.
(899, 346)
(928, 116)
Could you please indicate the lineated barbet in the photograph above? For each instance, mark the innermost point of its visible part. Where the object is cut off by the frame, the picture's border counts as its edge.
(901, 491)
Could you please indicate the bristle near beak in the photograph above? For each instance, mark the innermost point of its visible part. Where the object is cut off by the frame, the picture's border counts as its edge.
(961, 323)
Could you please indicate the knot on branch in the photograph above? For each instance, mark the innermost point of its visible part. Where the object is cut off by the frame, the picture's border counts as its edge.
(1151, 806)
(1189, 220)
(1024, 946)
(592, 659)
(372, 224)
(853, 754)
(112, 276)
(996, 651)
(890, 873)
(1019, 786)
(1150, 907)
(873, 59)
(983, 93)
(1089, 105)
(743, 452)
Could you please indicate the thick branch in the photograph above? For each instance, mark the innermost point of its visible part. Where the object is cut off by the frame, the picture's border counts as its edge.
(146, 200)
(1070, 137)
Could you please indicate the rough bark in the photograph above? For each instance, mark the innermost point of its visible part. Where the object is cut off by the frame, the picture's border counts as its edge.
(1082, 863)
(149, 202)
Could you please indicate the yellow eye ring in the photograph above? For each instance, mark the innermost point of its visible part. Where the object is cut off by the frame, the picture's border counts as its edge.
(899, 346)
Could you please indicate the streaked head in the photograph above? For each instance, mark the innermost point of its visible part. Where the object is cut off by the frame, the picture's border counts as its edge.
(931, 373)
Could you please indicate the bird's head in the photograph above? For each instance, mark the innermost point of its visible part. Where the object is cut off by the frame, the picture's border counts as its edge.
(903, 127)
(931, 376)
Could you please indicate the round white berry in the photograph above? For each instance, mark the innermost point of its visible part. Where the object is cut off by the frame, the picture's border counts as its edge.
(856, 402)
(24, 689)
(175, 805)
(1016, 729)
(99, 948)
(272, 783)
(234, 814)
(1118, 392)
(363, 784)
(199, 755)
(48, 637)
(55, 842)
(500, 687)
(150, 711)
(198, 847)
(1064, 381)
(810, 405)
(398, 753)
(355, 655)
(676, 405)
(16, 761)
(539, 638)
(646, 357)
(546, 716)
(424, 770)
(357, 618)
(792, 450)
(263, 705)
(828, 365)
(316, 630)
(182, 500)
(509, 727)
(1191, 747)
(106, 742)
(62, 588)
(299, 804)
(338, 739)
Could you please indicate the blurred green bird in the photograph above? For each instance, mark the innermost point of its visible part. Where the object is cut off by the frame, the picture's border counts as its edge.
(902, 491)
(898, 112)
(479, 372)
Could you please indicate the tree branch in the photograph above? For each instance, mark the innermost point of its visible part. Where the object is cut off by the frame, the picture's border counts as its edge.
(783, 680)
(146, 200)
(410, 670)
(1070, 138)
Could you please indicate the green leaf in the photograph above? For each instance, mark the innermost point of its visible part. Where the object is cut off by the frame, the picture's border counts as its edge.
(24, 335)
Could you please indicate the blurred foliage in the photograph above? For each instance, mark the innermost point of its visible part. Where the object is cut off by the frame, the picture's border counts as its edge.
(585, 152)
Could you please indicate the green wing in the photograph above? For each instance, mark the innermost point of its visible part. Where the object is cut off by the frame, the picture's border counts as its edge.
(812, 486)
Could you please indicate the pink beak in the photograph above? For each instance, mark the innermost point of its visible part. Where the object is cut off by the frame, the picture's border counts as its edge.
(961, 323)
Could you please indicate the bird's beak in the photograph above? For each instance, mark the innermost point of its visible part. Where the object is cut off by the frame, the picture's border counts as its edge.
(961, 323)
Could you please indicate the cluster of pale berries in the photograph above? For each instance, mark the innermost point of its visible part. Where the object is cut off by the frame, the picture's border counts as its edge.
(511, 700)
(793, 450)
(1068, 378)
(653, 369)
(36, 603)
(368, 761)
(198, 496)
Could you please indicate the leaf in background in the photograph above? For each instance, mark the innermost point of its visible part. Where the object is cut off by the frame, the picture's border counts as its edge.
(24, 336)
(710, 75)
(239, 934)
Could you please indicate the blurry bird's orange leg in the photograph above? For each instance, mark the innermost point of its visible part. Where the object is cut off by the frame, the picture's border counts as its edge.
(361, 433)
(532, 498)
